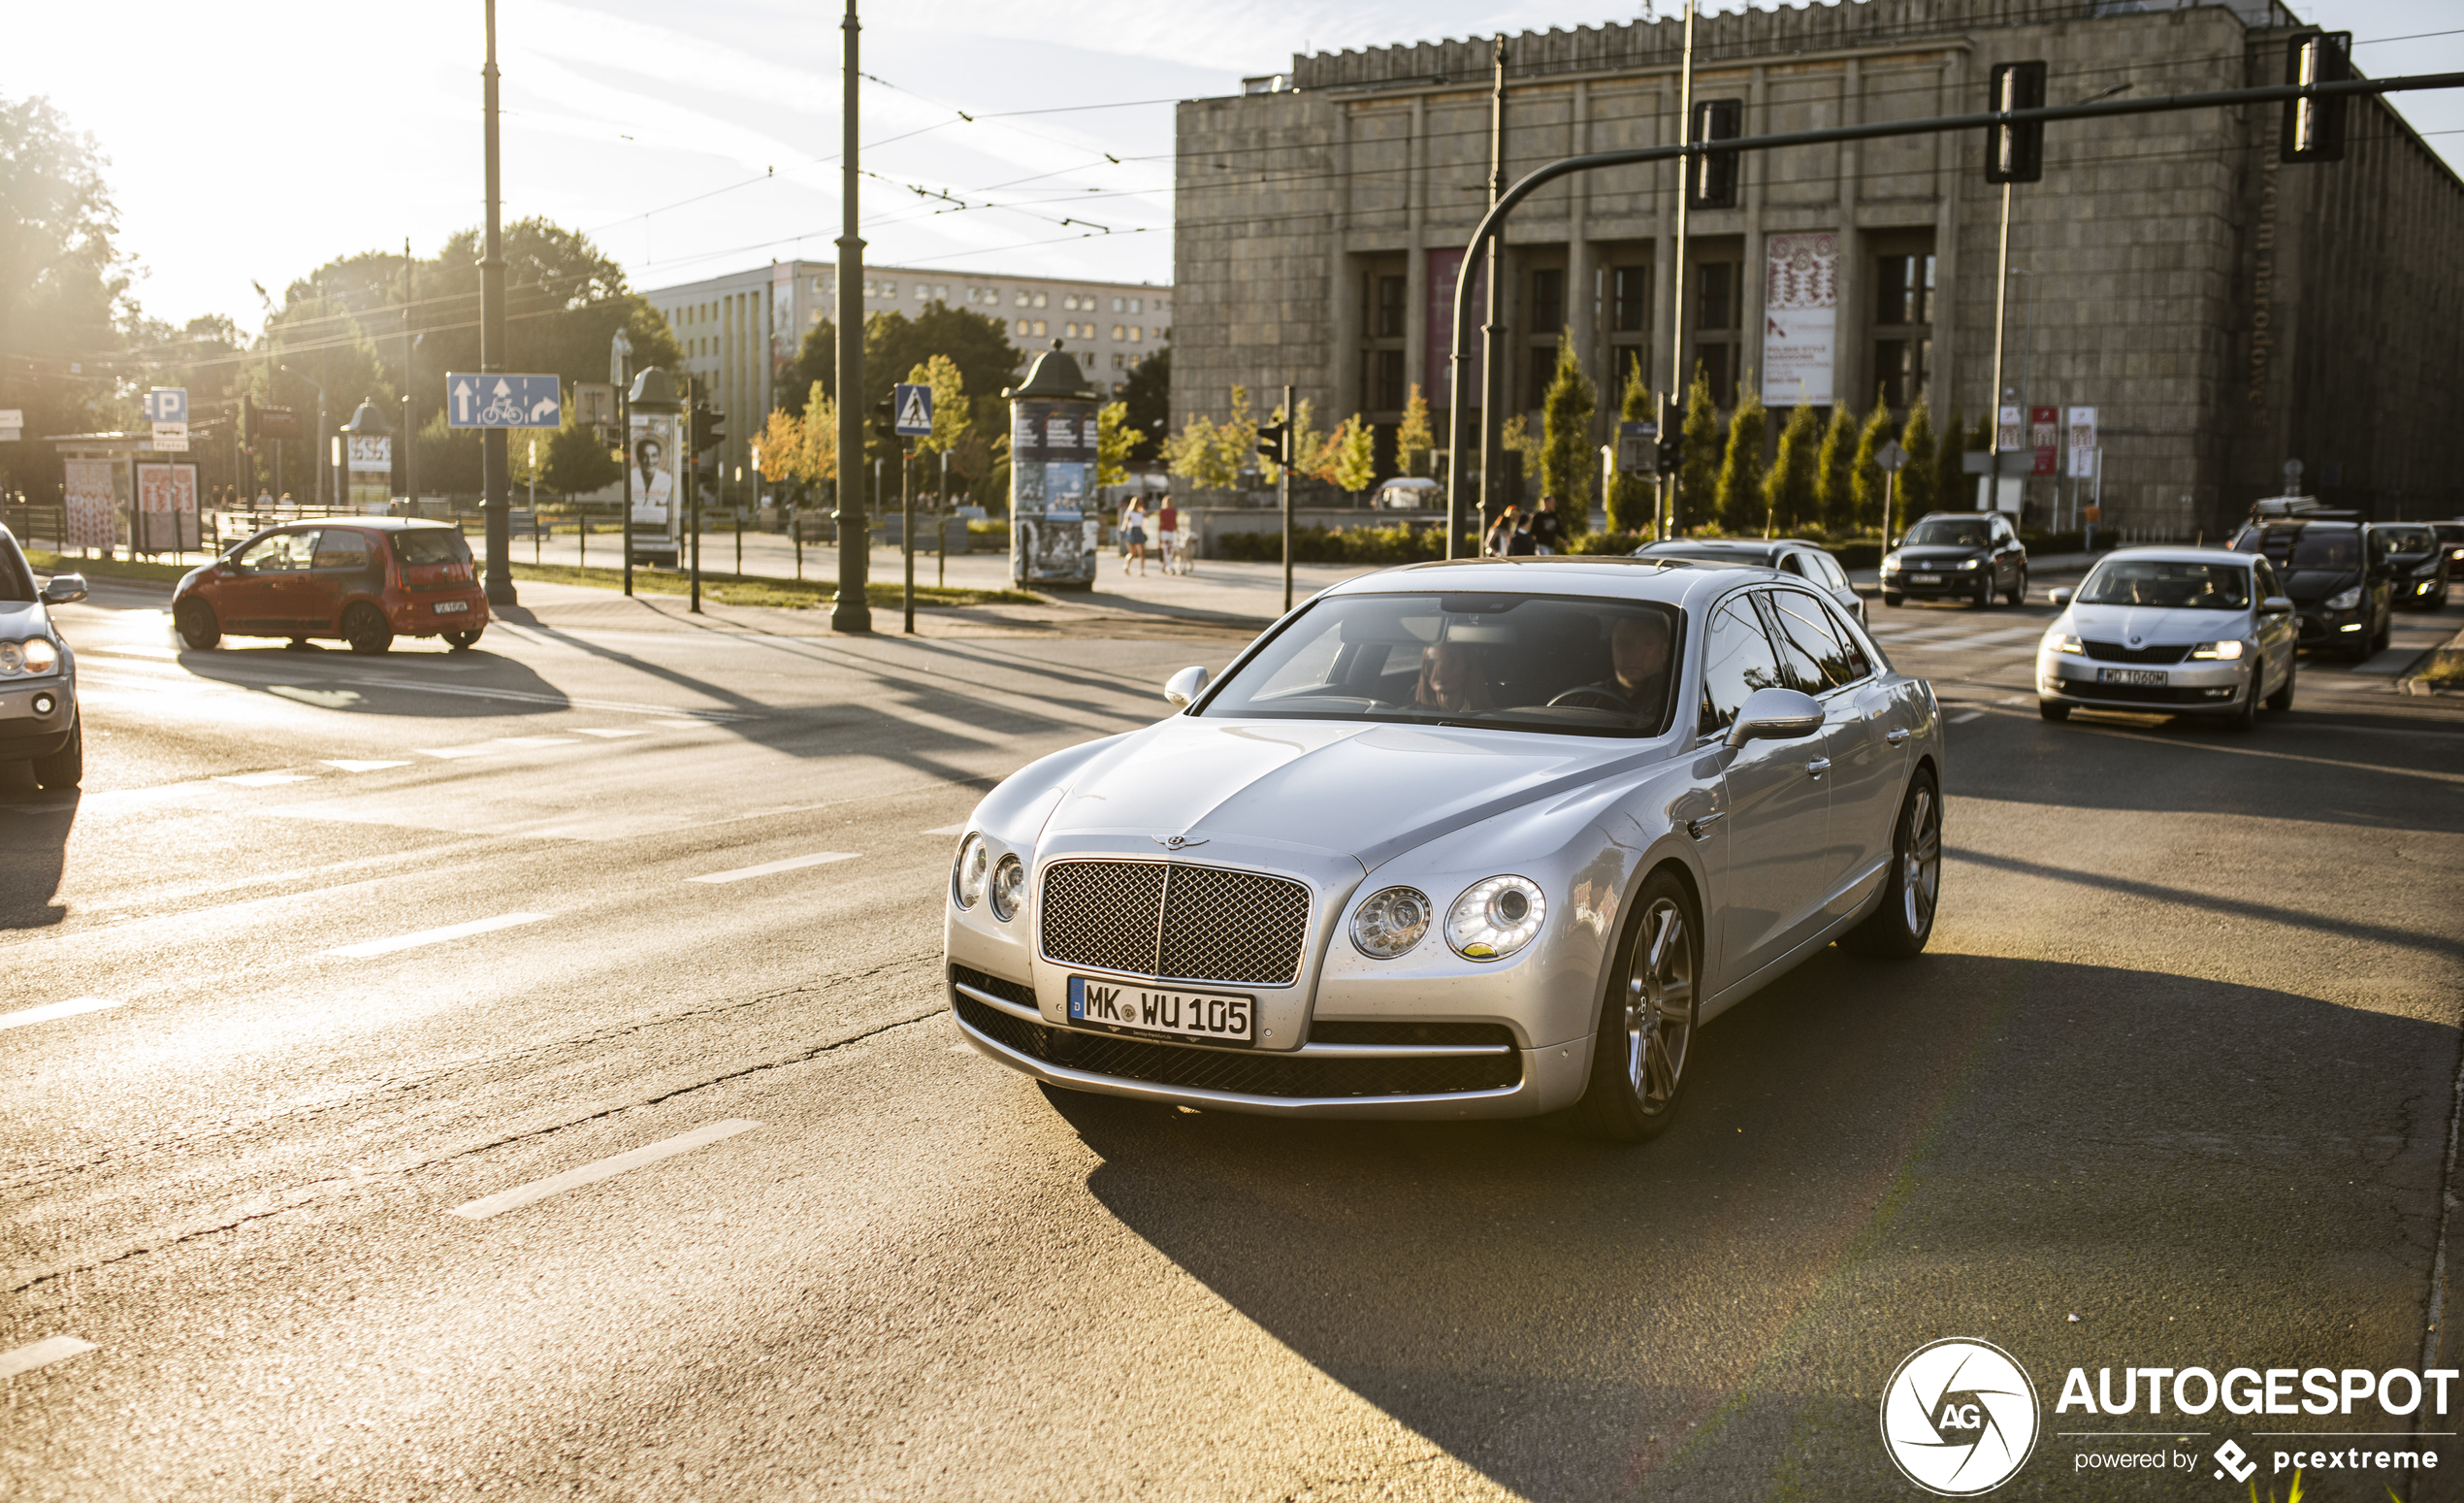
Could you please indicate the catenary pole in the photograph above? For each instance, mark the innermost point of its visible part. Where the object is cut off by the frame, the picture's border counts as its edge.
(1993, 487)
(1493, 334)
(492, 455)
(851, 613)
(1675, 421)
(1283, 492)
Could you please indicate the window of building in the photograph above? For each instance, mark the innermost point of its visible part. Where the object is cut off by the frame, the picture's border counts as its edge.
(1039, 328)
(1718, 307)
(1905, 290)
(1629, 299)
(1133, 304)
(1021, 328)
(1039, 303)
(1136, 334)
(1389, 307)
(1903, 325)
(1385, 383)
(1021, 297)
(1548, 301)
(1115, 360)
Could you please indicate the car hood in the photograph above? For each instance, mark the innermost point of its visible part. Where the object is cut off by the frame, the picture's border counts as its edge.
(2308, 586)
(1362, 790)
(1921, 556)
(2151, 623)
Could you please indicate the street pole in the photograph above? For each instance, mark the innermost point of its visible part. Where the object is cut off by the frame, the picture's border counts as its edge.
(941, 549)
(1284, 494)
(2001, 304)
(851, 613)
(620, 353)
(693, 496)
(1675, 422)
(1493, 334)
(907, 529)
(492, 440)
(410, 411)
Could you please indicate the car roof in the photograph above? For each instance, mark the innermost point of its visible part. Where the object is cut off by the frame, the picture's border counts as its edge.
(2164, 554)
(2294, 524)
(1676, 582)
(388, 524)
(1681, 547)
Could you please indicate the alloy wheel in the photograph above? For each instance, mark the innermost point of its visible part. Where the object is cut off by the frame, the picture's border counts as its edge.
(1921, 864)
(1659, 1007)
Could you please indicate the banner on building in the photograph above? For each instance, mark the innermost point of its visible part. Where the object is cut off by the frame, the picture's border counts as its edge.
(2044, 436)
(1801, 319)
(166, 519)
(1435, 381)
(2083, 443)
(92, 508)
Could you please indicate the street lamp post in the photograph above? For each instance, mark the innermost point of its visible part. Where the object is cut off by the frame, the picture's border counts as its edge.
(851, 611)
(620, 370)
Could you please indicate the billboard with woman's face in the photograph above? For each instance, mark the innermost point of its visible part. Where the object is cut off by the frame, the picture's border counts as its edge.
(656, 461)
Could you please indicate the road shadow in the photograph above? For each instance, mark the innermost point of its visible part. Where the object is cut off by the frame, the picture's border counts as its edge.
(34, 841)
(470, 685)
(1577, 1319)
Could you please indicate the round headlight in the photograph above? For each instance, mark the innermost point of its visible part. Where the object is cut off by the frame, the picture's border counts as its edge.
(40, 657)
(1495, 918)
(1009, 887)
(1390, 923)
(11, 658)
(975, 864)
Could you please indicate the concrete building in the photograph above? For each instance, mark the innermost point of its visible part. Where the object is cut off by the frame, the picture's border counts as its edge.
(2225, 313)
(740, 331)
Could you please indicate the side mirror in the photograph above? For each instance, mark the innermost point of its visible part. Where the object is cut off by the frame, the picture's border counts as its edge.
(1775, 715)
(2276, 605)
(2061, 598)
(1182, 689)
(64, 590)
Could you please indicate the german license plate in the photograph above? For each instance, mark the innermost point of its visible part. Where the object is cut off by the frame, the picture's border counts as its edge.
(1924, 578)
(2143, 678)
(450, 607)
(1205, 1016)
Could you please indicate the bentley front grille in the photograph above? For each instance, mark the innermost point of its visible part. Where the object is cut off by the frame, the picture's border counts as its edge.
(1174, 921)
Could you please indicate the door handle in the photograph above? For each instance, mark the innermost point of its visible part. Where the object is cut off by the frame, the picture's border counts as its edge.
(1895, 738)
(1701, 824)
(1819, 766)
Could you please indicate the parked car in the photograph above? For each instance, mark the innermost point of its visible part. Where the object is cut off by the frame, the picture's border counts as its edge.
(1957, 555)
(1487, 838)
(1808, 560)
(2184, 630)
(2418, 558)
(2337, 575)
(365, 580)
(39, 722)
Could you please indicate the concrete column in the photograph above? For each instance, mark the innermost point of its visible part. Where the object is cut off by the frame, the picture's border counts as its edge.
(1758, 123)
(1850, 377)
(1665, 254)
(1582, 297)
(1342, 380)
(1947, 169)
(1415, 286)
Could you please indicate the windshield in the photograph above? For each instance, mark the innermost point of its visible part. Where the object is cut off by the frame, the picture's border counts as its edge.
(429, 545)
(2307, 547)
(2407, 539)
(2449, 531)
(1942, 531)
(1560, 664)
(2166, 585)
(17, 581)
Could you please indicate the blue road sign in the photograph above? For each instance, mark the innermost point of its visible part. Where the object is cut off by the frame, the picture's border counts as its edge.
(912, 406)
(474, 400)
(167, 404)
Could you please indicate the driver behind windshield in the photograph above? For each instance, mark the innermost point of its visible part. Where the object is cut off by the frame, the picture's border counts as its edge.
(1451, 678)
(1638, 682)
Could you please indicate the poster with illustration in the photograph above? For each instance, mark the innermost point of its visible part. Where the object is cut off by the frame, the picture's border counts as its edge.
(166, 507)
(1051, 484)
(93, 511)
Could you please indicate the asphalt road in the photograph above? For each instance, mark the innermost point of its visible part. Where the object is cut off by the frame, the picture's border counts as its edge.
(335, 946)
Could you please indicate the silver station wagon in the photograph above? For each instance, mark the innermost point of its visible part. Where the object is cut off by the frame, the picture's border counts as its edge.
(1488, 838)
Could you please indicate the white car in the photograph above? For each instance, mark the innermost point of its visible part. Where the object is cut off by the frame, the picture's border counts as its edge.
(39, 721)
(1488, 838)
(2174, 631)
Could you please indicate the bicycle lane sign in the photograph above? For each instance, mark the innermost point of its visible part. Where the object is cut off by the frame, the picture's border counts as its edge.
(492, 400)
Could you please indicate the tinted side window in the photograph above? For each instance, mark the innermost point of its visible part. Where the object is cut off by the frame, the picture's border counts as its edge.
(2266, 573)
(1737, 660)
(280, 553)
(1808, 649)
(342, 547)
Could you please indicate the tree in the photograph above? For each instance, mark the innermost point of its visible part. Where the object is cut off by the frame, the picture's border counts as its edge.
(1699, 460)
(1413, 439)
(1866, 476)
(1916, 492)
(576, 461)
(1306, 444)
(977, 344)
(1634, 501)
(1950, 473)
(951, 416)
(1148, 394)
(1788, 490)
(1740, 483)
(63, 290)
(1115, 439)
(1355, 446)
(1213, 456)
(1568, 463)
(1835, 472)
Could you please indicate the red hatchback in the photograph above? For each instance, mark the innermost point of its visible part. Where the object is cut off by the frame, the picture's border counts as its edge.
(365, 580)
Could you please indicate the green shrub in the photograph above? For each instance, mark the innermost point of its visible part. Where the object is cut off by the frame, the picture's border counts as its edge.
(1401, 543)
(1608, 542)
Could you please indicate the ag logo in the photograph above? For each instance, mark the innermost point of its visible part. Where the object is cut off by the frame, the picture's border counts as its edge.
(1959, 1417)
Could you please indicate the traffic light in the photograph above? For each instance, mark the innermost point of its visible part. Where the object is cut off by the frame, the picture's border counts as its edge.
(1273, 439)
(1670, 451)
(2015, 153)
(709, 428)
(2314, 129)
(1710, 179)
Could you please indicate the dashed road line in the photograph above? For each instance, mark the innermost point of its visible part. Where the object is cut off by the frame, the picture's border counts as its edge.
(767, 868)
(429, 936)
(483, 749)
(50, 1010)
(357, 764)
(957, 828)
(266, 779)
(42, 1354)
(1966, 717)
(609, 733)
(528, 741)
(591, 1173)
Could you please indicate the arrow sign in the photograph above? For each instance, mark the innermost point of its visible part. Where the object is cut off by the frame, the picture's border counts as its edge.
(493, 400)
(913, 405)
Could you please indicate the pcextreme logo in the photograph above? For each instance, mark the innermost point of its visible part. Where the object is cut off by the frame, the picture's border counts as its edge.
(1959, 1417)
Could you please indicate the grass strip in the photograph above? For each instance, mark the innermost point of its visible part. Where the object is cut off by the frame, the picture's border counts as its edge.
(753, 589)
(106, 568)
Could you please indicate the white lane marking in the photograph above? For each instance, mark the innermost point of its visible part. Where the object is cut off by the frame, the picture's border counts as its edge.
(537, 740)
(1966, 716)
(42, 1354)
(266, 779)
(483, 749)
(591, 1173)
(430, 936)
(609, 733)
(50, 1010)
(957, 828)
(137, 651)
(684, 724)
(353, 765)
(791, 864)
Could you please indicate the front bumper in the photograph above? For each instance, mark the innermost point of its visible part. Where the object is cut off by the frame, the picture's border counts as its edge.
(1948, 583)
(2188, 689)
(2339, 629)
(26, 733)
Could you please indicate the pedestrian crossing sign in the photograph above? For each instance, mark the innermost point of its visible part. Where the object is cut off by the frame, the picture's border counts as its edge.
(912, 406)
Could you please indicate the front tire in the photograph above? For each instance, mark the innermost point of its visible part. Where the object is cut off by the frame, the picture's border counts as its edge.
(1905, 921)
(66, 768)
(2053, 710)
(2244, 717)
(197, 624)
(1646, 1022)
(2283, 698)
(1890, 600)
(366, 629)
(2019, 590)
(1984, 594)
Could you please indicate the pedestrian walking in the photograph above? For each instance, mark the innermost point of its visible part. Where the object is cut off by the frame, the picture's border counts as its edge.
(1500, 531)
(1133, 531)
(1167, 533)
(1520, 544)
(1549, 531)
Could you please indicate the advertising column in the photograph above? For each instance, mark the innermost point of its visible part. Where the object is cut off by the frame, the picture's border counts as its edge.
(1052, 531)
(659, 485)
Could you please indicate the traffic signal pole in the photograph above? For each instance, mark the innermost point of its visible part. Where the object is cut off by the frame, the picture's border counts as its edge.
(1673, 423)
(851, 613)
(499, 497)
(1493, 223)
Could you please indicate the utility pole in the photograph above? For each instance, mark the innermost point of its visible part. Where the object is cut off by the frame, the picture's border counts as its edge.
(693, 486)
(851, 613)
(1675, 422)
(1283, 475)
(941, 549)
(492, 455)
(410, 411)
(620, 363)
(907, 529)
(1493, 340)
(2002, 306)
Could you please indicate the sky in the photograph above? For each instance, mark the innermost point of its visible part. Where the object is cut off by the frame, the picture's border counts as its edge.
(689, 141)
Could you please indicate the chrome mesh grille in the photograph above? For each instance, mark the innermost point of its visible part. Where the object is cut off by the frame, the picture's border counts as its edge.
(1169, 920)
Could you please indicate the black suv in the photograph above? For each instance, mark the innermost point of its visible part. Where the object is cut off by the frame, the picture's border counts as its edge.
(1957, 555)
(2338, 575)
(2418, 555)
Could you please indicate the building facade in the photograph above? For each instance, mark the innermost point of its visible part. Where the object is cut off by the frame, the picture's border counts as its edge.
(2222, 312)
(740, 331)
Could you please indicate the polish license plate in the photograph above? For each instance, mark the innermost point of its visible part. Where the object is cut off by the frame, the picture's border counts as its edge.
(450, 607)
(2143, 678)
(1924, 578)
(1208, 1017)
